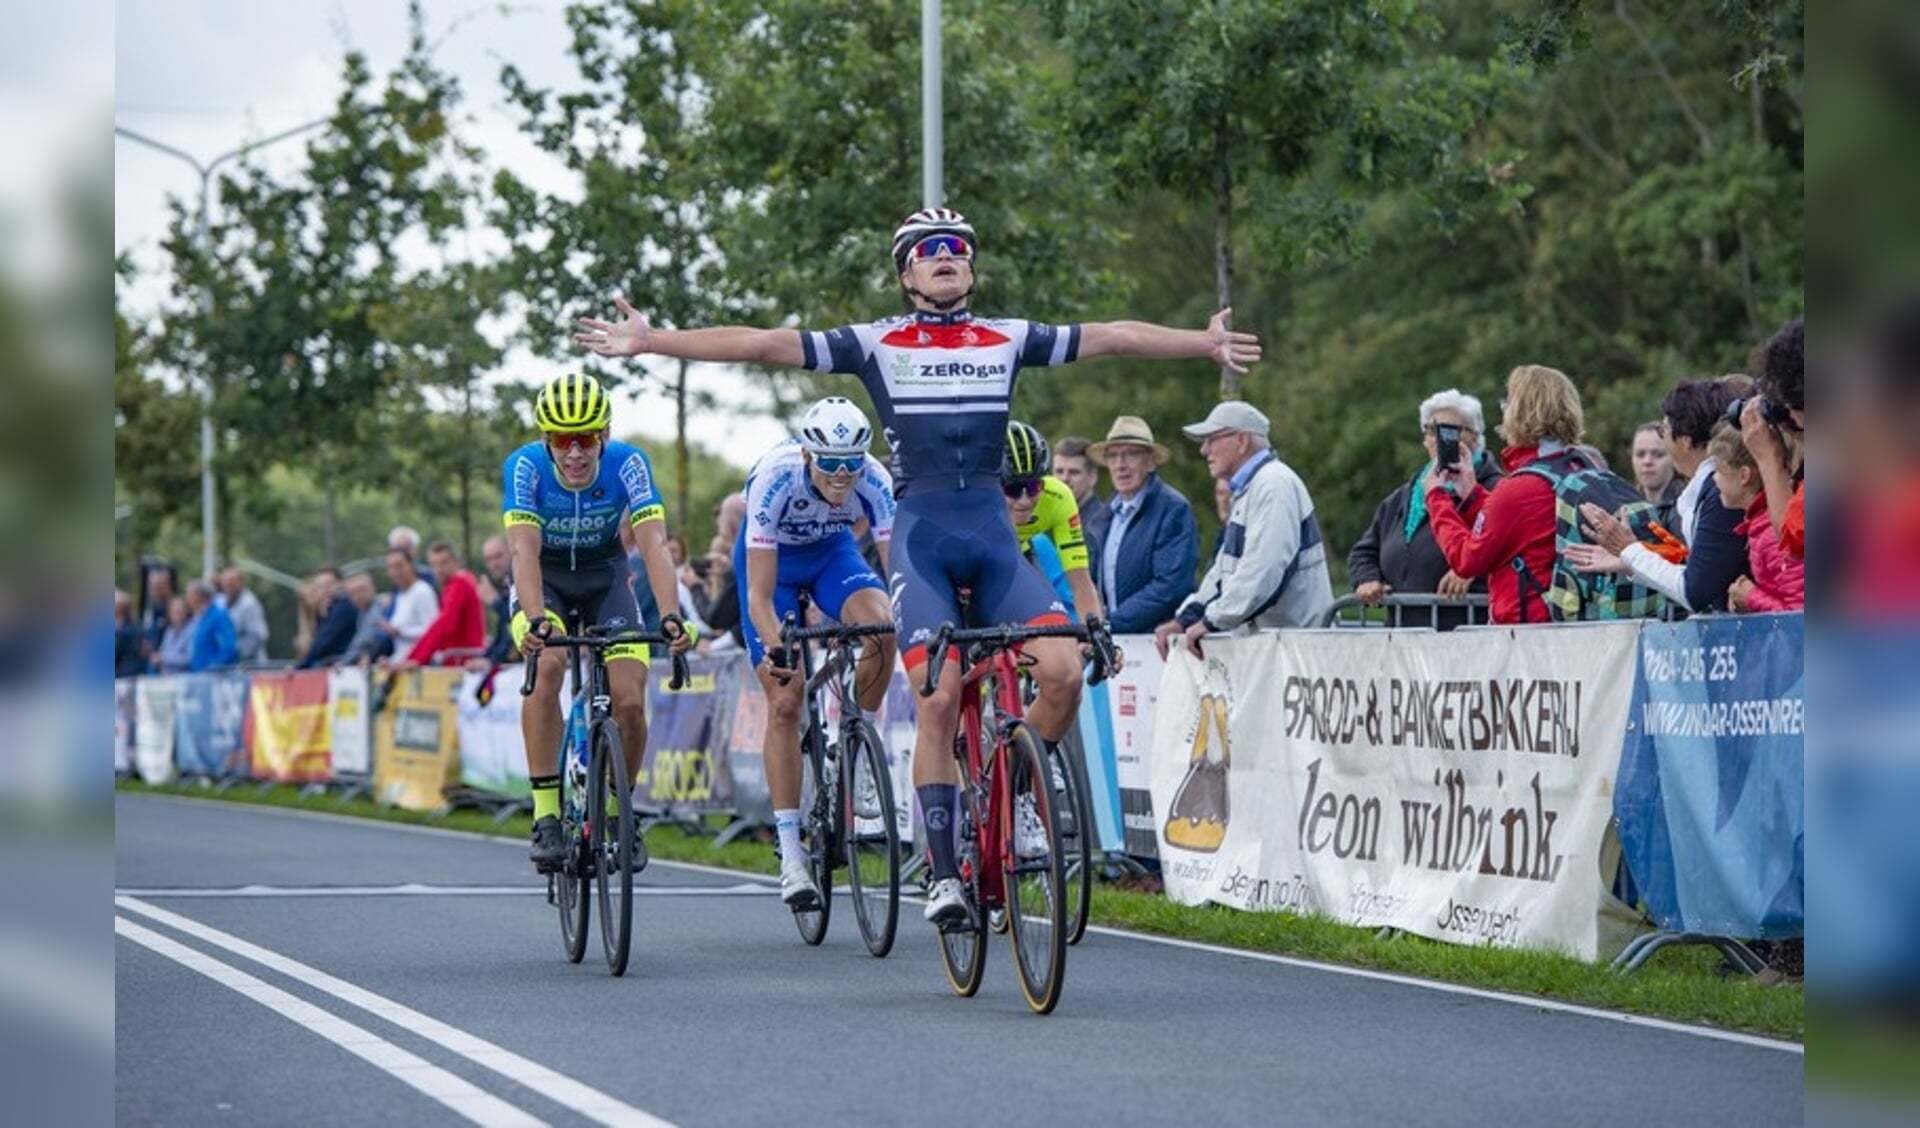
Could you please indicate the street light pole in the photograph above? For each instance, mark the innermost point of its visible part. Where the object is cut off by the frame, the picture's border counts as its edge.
(202, 244)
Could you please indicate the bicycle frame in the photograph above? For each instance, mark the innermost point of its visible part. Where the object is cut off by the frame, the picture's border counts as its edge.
(992, 682)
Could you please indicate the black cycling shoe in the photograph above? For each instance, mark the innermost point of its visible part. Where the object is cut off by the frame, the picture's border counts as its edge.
(640, 858)
(549, 845)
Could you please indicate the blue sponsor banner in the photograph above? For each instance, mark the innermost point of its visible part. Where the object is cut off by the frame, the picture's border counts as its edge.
(685, 766)
(208, 724)
(1710, 794)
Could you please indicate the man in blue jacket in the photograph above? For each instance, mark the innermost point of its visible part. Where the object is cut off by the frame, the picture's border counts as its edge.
(338, 620)
(1145, 565)
(214, 645)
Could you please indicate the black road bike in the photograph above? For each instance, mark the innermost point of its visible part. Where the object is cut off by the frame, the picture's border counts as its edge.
(596, 804)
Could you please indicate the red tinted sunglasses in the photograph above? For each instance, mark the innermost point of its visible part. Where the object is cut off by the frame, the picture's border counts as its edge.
(932, 245)
(588, 441)
(1022, 490)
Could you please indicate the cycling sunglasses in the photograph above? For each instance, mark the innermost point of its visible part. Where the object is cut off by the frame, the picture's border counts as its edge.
(932, 245)
(588, 441)
(839, 463)
(1021, 490)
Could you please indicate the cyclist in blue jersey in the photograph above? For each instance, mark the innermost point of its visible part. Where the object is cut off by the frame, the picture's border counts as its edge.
(942, 383)
(565, 496)
(804, 498)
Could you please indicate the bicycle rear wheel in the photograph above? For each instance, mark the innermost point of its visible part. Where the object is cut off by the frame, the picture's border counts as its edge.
(872, 837)
(1036, 910)
(612, 842)
(816, 832)
(1074, 817)
(964, 951)
(570, 880)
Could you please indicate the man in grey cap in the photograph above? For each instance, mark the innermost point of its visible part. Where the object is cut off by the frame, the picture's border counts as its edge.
(1144, 564)
(1272, 566)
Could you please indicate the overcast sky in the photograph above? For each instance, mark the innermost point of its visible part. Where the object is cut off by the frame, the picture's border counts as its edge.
(208, 76)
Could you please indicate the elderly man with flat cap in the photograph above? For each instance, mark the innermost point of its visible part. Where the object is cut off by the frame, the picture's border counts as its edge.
(1272, 566)
(1146, 562)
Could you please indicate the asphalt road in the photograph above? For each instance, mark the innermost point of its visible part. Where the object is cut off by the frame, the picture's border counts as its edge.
(280, 968)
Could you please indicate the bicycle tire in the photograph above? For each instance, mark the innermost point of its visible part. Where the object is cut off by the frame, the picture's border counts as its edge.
(572, 878)
(1075, 819)
(816, 837)
(964, 951)
(872, 837)
(612, 842)
(1036, 910)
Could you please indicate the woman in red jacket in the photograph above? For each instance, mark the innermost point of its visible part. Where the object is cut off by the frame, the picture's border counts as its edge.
(1482, 532)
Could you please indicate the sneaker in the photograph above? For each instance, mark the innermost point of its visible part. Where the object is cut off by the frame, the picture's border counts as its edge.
(797, 889)
(947, 905)
(549, 845)
(1029, 835)
(866, 799)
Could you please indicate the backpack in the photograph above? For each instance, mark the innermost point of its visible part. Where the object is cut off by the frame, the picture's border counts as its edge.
(1572, 594)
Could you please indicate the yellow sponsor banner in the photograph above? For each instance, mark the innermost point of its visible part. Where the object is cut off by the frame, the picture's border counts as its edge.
(415, 739)
(289, 734)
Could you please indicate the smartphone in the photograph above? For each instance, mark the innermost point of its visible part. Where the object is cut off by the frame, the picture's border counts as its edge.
(1446, 443)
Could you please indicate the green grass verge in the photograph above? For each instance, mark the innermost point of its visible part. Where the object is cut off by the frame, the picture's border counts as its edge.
(1679, 983)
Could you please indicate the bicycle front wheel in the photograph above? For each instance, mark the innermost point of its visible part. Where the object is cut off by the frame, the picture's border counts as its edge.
(817, 831)
(1075, 819)
(1036, 909)
(610, 814)
(872, 837)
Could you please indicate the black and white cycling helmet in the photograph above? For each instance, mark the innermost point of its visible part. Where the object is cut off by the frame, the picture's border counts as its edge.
(835, 426)
(925, 222)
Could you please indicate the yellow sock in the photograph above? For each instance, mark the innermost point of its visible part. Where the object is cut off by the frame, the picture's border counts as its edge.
(546, 797)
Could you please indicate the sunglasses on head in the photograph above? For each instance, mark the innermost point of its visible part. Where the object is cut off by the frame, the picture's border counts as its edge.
(1019, 491)
(839, 463)
(588, 441)
(932, 245)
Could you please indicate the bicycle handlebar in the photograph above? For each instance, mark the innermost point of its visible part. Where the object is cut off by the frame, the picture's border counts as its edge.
(791, 634)
(1007, 636)
(597, 640)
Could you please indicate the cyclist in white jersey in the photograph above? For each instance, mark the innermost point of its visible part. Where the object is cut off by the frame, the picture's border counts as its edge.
(805, 497)
(942, 383)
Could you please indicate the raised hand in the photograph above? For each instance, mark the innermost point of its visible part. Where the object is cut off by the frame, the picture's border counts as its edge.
(1231, 349)
(630, 336)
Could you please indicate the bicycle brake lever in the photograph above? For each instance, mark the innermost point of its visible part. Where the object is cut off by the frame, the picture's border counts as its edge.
(681, 675)
(533, 671)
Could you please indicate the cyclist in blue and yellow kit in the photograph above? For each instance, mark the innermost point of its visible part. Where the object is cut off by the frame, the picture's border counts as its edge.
(565, 496)
(942, 382)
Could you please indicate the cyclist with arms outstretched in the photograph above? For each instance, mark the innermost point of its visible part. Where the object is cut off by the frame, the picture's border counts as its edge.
(566, 494)
(942, 383)
(804, 499)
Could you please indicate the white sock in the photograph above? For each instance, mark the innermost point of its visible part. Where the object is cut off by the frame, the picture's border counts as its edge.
(786, 824)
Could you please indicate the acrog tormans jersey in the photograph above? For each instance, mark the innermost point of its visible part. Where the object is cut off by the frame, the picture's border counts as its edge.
(783, 508)
(579, 527)
(942, 385)
(1056, 515)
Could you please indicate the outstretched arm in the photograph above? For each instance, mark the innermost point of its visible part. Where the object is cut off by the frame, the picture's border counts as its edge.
(1141, 338)
(632, 335)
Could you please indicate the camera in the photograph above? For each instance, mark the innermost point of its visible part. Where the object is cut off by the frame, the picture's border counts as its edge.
(1446, 438)
(1774, 413)
(701, 566)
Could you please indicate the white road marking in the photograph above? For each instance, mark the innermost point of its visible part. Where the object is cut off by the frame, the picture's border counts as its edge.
(1733, 1036)
(461, 1096)
(576, 1095)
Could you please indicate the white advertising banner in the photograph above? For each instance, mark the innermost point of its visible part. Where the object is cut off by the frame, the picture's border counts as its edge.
(491, 756)
(1132, 695)
(123, 718)
(352, 725)
(1457, 786)
(156, 701)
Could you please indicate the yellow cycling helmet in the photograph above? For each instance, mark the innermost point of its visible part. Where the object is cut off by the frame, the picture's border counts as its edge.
(574, 402)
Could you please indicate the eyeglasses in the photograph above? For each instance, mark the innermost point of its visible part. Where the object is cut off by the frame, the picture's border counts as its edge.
(932, 245)
(1020, 491)
(839, 463)
(563, 441)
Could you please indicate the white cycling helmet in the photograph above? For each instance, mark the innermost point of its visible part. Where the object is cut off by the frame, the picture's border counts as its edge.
(835, 426)
(925, 222)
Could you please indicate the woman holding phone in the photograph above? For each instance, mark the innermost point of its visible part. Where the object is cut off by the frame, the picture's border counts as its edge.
(1397, 553)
